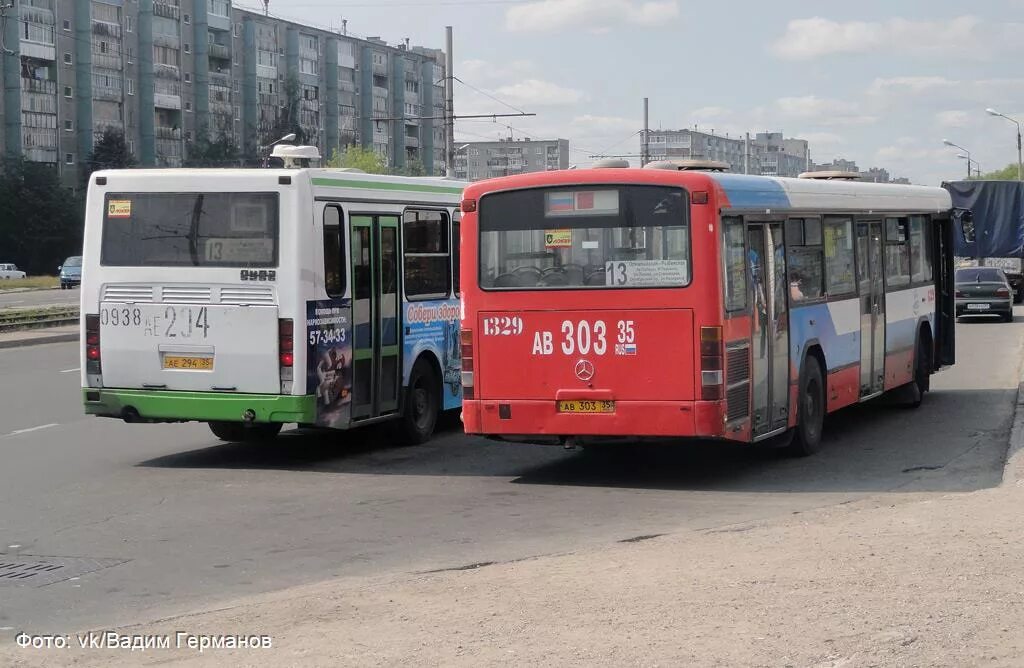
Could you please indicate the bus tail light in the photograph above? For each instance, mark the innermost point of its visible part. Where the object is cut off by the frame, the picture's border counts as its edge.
(467, 206)
(92, 344)
(466, 350)
(711, 375)
(286, 352)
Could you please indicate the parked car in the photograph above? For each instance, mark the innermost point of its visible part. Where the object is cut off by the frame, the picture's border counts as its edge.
(983, 291)
(10, 271)
(70, 272)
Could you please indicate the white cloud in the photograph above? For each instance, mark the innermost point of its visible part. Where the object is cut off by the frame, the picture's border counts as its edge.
(822, 111)
(910, 84)
(479, 72)
(598, 15)
(591, 125)
(956, 118)
(539, 93)
(963, 36)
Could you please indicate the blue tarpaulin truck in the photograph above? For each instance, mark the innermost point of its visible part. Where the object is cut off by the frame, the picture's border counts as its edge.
(997, 208)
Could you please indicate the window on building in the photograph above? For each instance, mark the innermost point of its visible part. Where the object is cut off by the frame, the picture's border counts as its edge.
(839, 272)
(238, 30)
(188, 135)
(806, 266)
(735, 265)
(188, 106)
(69, 158)
(68, 126)
(334, 245)
(130, 86)
(131, 146)
(129, 24)
(186, 18)
(188, 77)
(67, 25)
(67, 92)
(897, 252)
(67, 58)
(188, 48)
(129, 53)
(427, 254)
(238, 114)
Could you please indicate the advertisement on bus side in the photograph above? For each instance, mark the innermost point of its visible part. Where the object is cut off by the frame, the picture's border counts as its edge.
(329, 360)
(434, 326)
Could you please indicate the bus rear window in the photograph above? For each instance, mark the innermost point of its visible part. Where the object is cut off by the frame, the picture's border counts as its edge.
(190, 230)
(585, 237)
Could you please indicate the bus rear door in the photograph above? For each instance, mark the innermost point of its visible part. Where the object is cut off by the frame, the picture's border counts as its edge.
(770, 329)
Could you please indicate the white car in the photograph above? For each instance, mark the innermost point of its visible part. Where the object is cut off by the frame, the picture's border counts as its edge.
(10, 271)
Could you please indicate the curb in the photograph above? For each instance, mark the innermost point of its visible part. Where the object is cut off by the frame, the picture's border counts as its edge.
(1013, 471)
(63, 337)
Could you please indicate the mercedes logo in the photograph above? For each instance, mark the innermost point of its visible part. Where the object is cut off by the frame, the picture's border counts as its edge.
(584, 370)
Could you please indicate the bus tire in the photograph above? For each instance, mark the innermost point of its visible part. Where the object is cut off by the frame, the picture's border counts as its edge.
(239, 432)
(810, 419)
(422, 404)
(922, 382)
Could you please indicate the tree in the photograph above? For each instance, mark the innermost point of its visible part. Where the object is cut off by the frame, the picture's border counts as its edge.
(412, 168)
(287, 116)
(207, 152)
(110, 152)
(357, 157)
(40, 219)
(1008, 173)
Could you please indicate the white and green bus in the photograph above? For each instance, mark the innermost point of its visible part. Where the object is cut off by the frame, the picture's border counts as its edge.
(250, 299)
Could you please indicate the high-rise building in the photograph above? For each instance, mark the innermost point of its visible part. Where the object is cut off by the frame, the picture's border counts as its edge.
(768, 153)
(166, 73)
(489, 159)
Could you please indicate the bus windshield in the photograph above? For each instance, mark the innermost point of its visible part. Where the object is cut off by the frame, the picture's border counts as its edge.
(585, 237)
(190, 229)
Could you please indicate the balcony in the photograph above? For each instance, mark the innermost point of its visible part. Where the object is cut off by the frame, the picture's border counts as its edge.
(221, 108)
(218, 51)
(39, 86)
(39, 154)
(107, 93)
(380, 69)
(106, 29)
(220, 79)
(347, 86)
(168, 41)
(378, 91)
(163, 71)
(218, 22)
(166, 101)
(266, 72)
(106, 61)
(412, 142)
(166, 10)
(170, 134)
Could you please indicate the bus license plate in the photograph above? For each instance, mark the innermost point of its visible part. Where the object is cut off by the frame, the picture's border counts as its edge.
(193, 363)
(582, 406)
(977, 307)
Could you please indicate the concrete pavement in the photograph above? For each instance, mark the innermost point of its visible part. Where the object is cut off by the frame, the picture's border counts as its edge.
(186, 522)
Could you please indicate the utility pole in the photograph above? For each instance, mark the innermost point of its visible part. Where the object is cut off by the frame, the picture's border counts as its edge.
(645, 151)
(449, 105)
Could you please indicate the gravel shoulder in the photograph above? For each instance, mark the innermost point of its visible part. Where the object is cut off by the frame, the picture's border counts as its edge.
(896, 580)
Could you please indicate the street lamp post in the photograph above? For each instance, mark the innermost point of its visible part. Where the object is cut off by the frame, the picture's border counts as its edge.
(977, 165)
(949, 143)
(1020, 162)
(977, 240)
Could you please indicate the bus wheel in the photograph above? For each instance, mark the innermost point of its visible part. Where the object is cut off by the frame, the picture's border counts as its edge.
(422, 404)
(810, 410)
(239, 432)
(922, 375)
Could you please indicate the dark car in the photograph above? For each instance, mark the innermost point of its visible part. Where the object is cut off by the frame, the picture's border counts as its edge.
(983, 291)
(70, 273)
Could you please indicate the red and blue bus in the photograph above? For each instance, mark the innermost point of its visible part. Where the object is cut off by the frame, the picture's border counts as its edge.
(670, 302)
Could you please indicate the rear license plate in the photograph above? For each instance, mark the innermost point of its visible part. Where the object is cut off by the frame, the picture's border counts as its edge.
(580, 406)
(193, 363)
(978, 307)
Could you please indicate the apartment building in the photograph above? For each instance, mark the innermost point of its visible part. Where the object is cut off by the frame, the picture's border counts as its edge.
(164, 72)
(768, 153)
(485, 159)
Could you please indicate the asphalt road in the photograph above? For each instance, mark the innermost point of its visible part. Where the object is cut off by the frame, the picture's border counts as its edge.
(30, 298)
(175, 521)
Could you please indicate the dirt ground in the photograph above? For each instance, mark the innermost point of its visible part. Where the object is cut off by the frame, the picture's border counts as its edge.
(910, 580)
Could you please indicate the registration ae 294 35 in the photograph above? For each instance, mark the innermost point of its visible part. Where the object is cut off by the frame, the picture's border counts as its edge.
(163, 321)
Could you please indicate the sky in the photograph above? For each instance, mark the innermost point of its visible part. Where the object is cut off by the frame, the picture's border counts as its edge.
(881, 82)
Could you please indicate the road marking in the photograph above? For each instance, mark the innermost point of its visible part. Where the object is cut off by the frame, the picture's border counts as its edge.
(77, 368)
(31, 429)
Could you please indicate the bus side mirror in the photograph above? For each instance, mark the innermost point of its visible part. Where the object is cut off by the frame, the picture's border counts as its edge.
(967, 226)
